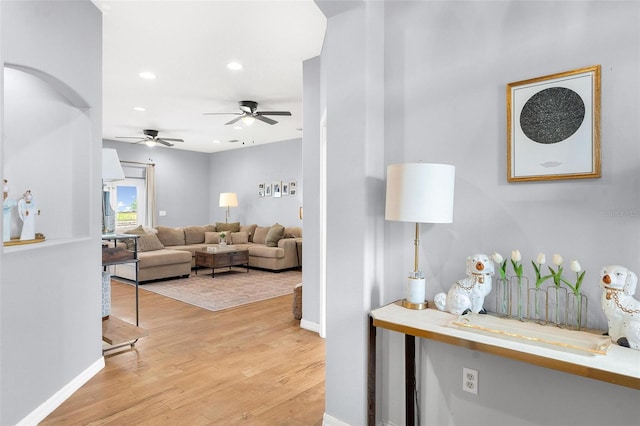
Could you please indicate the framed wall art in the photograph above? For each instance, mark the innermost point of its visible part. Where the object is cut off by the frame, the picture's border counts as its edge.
(261, 190)
(267, 190)
(285, 188)
(553, 126)
(277, 189)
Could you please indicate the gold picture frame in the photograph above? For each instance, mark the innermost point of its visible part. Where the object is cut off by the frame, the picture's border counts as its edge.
(553, 126)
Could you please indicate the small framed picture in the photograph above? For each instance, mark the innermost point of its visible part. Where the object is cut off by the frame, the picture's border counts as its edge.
(293, 185)
(285, 188)
(292, 191)
(277, 189)
(260, 194)
(267, 190)
(261, 187)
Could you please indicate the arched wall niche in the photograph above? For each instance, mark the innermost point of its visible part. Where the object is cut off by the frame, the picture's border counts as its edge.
(47, 148)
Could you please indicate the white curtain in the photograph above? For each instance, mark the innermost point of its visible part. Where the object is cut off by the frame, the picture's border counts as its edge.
(150, 181)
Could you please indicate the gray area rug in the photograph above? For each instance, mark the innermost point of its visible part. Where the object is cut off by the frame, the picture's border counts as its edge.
(228, 288)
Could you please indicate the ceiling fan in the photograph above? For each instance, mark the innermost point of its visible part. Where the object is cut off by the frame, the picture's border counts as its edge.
(151, 138)
(249, 113)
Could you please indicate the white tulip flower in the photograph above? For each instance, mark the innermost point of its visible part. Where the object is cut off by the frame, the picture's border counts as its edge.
(575, 266)
(515, 256)
(541, 259)
(497, 257)
(557, 259)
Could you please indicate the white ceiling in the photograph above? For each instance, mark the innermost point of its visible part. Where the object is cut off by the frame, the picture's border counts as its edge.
(188, 44)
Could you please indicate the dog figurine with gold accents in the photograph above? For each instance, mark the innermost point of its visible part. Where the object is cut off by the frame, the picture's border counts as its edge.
(620, 307)
(467, 295)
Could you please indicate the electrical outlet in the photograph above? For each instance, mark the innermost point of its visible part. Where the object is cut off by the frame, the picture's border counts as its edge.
(470, 380)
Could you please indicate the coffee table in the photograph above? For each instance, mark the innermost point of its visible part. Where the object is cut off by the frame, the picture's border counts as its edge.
(221, 257)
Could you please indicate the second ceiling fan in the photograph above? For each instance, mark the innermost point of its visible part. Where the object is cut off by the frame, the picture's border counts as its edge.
(249, 113)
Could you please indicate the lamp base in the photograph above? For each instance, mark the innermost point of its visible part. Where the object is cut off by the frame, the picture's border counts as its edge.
(416, 306)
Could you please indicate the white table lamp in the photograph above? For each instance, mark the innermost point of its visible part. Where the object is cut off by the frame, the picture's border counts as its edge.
(228, 199)
(420, 193)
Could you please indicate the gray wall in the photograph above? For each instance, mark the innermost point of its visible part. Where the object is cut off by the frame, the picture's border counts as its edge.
(182, 181)
(50, 292)
(445, 67)
(241, 170)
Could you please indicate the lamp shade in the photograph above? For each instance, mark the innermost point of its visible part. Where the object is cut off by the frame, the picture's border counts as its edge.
(111, 167)
(420, 192)
(228, 199)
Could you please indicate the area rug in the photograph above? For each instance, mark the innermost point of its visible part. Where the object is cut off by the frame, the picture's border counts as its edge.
(228, 289)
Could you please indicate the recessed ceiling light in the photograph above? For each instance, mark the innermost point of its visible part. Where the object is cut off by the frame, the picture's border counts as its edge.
(216, 141)
(237, 127)
(147, 75)
(235, 66)
(141, 109)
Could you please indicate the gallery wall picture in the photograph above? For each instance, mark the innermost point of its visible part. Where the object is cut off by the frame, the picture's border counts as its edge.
(267, 190)
(261, 190)
(277, 189)
(293, 184)
(285, 188)
(553, 126)
(292, 192)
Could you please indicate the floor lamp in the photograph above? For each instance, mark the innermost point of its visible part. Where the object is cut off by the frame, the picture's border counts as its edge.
(420, 193)
(111, 172)
(228, 199)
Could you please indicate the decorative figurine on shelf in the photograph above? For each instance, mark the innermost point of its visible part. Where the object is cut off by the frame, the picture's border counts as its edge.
(620, 307)
(467, 295)
(27, 211)
(7, 206)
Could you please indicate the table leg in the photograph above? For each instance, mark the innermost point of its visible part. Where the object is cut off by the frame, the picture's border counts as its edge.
(409, 378)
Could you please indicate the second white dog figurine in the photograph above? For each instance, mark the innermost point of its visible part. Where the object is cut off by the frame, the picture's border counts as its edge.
(620, 307)
(467, 295)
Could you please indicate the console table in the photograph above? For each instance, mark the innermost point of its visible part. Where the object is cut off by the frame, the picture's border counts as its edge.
(619, 366)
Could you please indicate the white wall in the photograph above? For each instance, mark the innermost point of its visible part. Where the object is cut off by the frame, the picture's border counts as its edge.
(446, 65)
(50, 292)
(241, 170)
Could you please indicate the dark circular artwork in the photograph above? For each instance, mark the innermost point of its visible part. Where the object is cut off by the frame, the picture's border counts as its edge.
(552, 115)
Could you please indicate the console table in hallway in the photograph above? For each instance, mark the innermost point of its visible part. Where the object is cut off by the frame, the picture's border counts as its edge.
(620, 366)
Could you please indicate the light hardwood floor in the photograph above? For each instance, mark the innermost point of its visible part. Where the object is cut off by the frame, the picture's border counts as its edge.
(248, 365)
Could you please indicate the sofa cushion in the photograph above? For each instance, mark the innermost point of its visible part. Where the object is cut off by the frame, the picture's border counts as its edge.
(209, 228)
(211, 237)
(163, 257)
(194, 234)
(233, 227)
(258, 250)
(149, 242)
(275, 234)
(241, 237)
(139, 230)
(171, 236)
(249, 229)
(260, 236)
(293, 232)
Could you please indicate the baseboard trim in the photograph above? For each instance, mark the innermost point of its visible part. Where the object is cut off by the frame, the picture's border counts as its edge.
(311, 326)
(328, 420)
(47, 407)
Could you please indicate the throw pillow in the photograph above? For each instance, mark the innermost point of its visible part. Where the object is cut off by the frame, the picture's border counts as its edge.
(239, 237)
(171, 236)
(211, 237)
(209, 228)
(135, 231)
(293, 232)
(275, 234)
(194, 234)
(233, 227)
(149, 242)
(250, 230)
(260, 235)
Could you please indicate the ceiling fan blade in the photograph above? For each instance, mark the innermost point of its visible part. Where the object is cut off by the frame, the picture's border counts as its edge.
(129, 137)
(265, 119)
(163, 142)
(234, 120)
(171, 139)
(222, 113)
(273, 113)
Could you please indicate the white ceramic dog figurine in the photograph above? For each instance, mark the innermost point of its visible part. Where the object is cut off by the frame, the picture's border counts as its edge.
(467, 295)
(620, 307)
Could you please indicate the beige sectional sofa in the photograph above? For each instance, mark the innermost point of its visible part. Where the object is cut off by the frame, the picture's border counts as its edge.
(165, 252)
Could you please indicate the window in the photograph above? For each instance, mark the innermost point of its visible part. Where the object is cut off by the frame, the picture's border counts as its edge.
(130, 208)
